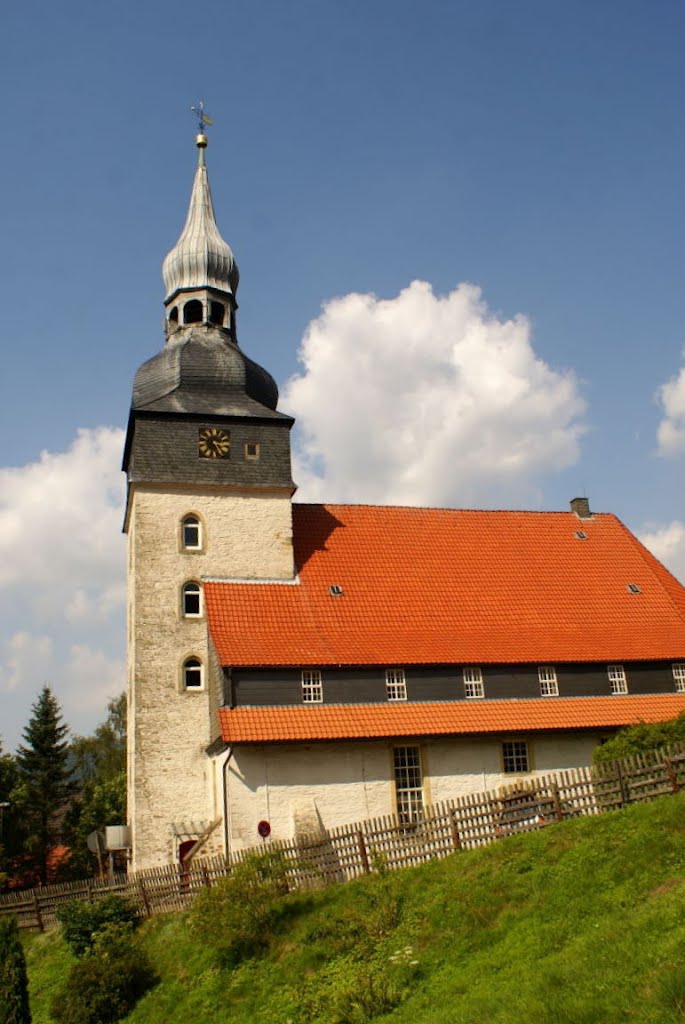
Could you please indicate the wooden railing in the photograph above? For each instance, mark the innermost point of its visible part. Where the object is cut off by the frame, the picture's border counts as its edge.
(343, 853)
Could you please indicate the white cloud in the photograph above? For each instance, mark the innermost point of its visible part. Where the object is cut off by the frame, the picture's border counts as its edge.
(671, 432)
(426, 399)
(62, 589)
(27, 658)
(668, 544)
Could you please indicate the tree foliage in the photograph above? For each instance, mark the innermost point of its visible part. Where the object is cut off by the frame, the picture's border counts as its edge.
(14, 994)
(45, 778)
(81, 923)
(100, 768)
(637, 739)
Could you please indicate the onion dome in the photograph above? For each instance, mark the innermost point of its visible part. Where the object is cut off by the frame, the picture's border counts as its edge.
(200, 258)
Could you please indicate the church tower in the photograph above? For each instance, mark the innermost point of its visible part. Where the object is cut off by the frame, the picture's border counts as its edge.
(207, 459)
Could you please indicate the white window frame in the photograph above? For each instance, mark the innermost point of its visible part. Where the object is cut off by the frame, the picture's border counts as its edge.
(395, 684)
(193, 688)
(515, 757)
(547, 677)
(197, 522)
(679, 676)
(186, 591)
(312, 686)
(408, 776)
(473, 682)
(617, 679)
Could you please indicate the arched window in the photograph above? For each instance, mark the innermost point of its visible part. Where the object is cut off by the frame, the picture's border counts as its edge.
(192, 312)
(216, 313)
(191, 600)
(192, 674)
(173, 315)
(191, 533)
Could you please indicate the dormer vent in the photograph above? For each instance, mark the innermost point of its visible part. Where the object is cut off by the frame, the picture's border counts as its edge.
(633, 588)
(335, 590)
(581, 535)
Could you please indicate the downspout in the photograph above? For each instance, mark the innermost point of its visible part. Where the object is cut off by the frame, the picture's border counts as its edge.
(226, 810)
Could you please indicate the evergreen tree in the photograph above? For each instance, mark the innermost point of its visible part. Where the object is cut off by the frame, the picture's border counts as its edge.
(45, 777)
(14, 993)
(10, 814)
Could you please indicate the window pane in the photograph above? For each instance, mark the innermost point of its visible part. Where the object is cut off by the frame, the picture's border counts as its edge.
(191, 599)
(395, 684)
(515, 756)
(312, 686)
(408, 784)
(191, 532)
(192, 674)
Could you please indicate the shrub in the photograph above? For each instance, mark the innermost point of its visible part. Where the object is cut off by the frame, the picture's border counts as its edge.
(14, 996)
(81, 922)
(640, 738)
(107, 982)
(236, 916)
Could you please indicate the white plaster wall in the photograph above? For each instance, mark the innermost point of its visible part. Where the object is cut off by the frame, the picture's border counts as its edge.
(172, 792)
(349, 782)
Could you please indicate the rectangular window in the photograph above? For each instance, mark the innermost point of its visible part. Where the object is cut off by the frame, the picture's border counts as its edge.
(395, 684)
(408, 784)
(617, 678)
(312, 686)
(473, 682)
(547, 674)
(251, 450)
(679, 676)
(515, 756)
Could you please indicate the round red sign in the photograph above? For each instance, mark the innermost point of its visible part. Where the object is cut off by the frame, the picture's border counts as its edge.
(264, 829)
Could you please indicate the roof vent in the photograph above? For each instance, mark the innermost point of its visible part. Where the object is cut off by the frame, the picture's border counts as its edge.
(581, 535)
(335, 590)
(581, 507)
(633, 588)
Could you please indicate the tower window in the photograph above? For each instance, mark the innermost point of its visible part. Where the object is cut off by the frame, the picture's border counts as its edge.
(252, 450)
(191, 533)
(617, 678)
(192, 674)
(192, 312)
(312, 686)
(191, 600)
(216, 313)
(473, 682)
(173, 315)
(395, 684)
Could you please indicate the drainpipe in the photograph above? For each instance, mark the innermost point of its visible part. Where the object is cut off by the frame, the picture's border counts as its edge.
(224, 774)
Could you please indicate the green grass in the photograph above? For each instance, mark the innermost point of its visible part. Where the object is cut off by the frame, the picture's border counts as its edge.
(579, 923)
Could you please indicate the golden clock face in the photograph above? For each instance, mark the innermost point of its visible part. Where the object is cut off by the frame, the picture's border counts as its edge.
(213, 443)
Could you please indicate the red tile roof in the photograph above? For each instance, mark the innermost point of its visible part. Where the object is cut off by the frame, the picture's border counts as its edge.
(441, 586)
(375, 721)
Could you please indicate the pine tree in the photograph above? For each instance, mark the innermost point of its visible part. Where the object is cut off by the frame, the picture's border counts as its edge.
(43, 765)
(14, 993)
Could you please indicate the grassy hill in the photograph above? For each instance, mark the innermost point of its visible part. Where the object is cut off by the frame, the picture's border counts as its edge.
(579, 923)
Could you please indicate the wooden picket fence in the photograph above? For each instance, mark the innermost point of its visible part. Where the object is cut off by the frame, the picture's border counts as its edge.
(352, 850)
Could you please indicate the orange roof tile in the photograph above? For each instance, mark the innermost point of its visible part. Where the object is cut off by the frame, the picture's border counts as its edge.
(441, 586)
(375, 721)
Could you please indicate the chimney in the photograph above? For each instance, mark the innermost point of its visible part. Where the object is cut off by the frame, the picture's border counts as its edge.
(581, 507)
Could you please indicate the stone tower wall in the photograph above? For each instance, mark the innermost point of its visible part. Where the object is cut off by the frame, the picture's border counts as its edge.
(171, 787)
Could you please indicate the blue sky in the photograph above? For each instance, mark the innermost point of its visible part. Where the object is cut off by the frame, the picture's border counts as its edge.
(535, 150)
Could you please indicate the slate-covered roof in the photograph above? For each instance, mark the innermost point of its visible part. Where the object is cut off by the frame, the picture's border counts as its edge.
(444, 586)
(383, 721)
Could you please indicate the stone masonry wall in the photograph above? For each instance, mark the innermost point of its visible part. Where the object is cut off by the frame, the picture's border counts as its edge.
(172, 790)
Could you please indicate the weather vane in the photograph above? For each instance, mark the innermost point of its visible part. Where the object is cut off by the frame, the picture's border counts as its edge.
(202, 118)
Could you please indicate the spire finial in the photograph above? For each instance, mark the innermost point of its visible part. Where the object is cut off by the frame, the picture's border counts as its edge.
(202, 120)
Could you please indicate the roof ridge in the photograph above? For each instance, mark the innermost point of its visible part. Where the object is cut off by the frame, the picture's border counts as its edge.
(448, 508)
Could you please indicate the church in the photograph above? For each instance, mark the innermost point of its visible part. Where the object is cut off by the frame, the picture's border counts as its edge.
(294, 667)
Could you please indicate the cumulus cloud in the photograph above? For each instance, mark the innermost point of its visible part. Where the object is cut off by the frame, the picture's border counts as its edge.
(668, 544)
(427, 399)
(671, 431)
(62, 591)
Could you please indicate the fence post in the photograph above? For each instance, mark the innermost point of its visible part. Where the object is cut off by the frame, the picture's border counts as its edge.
(621, 784)
(558, 809)
(454, 831)
(146, 900)
(363, 852)
(39, 916)
(672, 778)
(205, 876)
